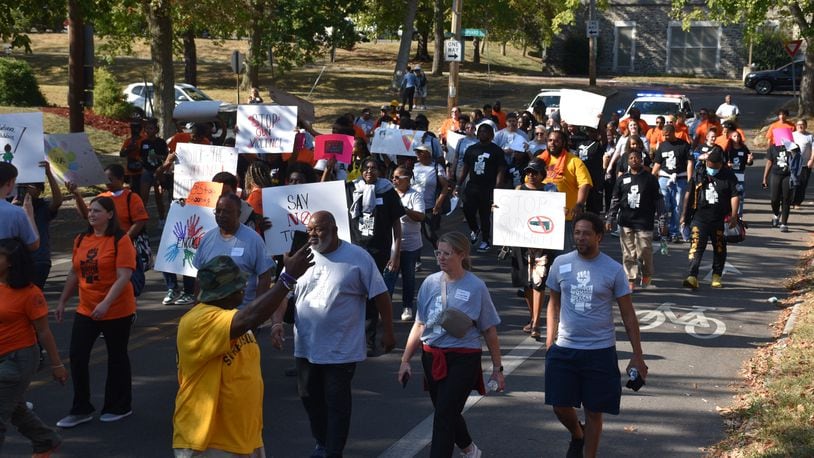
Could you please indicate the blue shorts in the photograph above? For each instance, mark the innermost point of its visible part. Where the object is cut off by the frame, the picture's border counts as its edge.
(589, 378)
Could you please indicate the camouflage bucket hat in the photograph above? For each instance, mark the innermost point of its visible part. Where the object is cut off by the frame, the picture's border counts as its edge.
(219, 278)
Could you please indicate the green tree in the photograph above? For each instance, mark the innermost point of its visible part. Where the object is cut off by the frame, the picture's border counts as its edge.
(752, 14)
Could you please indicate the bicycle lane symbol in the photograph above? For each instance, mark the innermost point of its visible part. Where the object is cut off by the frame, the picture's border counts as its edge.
(694, 321)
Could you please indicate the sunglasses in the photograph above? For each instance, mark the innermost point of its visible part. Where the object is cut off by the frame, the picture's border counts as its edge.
(401, 177)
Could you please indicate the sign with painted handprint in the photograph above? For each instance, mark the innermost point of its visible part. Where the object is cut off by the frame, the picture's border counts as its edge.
(73, 159)
(185, 228)
(21, 145)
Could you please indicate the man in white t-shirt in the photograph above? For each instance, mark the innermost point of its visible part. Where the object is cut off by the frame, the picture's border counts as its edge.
(727, 110)
(581, 364)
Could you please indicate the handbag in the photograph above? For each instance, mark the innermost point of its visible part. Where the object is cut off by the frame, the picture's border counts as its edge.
(735, 234)
(454, 321)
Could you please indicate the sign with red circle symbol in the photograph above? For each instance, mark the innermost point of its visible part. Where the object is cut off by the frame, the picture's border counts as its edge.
(540, 224)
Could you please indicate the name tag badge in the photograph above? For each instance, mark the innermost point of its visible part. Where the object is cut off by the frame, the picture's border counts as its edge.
(626, 180)
(565, 268)
(379, 201)
(237, 251)
(486, 155)
(462, 294)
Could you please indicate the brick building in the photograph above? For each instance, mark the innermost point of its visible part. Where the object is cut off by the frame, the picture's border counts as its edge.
(638, 37)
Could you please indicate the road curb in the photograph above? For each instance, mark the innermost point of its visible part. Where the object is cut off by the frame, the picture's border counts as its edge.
(792, 319)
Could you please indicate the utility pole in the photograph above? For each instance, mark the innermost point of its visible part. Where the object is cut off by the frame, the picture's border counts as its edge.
(452, 97)
(76, 63)
(592, 33)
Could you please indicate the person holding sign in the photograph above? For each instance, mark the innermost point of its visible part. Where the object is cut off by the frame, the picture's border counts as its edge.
(17, 222)
(451, 352)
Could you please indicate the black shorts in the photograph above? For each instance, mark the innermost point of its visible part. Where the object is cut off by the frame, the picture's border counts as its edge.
(589, 378)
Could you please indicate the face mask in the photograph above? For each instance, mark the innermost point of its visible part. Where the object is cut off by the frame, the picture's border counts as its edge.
(712, 172)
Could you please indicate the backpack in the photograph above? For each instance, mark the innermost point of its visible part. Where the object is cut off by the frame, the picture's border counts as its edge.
(137, 278)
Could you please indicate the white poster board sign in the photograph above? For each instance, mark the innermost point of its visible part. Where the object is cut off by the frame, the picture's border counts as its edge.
(398, 142)
(186, 226)
(581, 108)
(266, 128)
(290, 208)
(453, 138)
(73, 159)
(21, 144)
(531, 219)
(200, 163)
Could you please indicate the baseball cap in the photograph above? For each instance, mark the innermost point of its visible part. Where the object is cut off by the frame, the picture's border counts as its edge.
(422, 148)
(535, 165)
(219, 278)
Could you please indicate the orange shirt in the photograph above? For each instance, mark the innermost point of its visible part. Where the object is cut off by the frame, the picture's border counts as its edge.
(683, 132)
(255, 200)
(183, 137)
(18, 309)
(95, 267)
(446, 126)
(127, 216)
(643, 126)
(723, 140)
(654, 137)
(133, 148)
(775, 125)
(359, 133)
(501, 118)
(703, 128)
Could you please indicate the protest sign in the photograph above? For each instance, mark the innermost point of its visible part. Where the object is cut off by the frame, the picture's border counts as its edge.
(290, 208)
(185, 228)
(581, 108)
(398, 142)
(453, 138)
(266, 128)
(781, 135)
(73, 159)
(21, 144)
(200, 163)
(205, 194)
(305, 109)
(334, 145)
(530, 219)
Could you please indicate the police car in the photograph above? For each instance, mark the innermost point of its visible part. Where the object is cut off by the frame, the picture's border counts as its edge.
(549, 97)
(654, 104)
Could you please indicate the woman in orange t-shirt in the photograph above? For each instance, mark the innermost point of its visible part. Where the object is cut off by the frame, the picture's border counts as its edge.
(23, 320)
(103, 260)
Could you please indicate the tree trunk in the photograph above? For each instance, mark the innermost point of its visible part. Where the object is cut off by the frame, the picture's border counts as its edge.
(190, 58)
(404, 44)
(76, 60)
(806, 108)
(438, 45)
(255, 58)
(422, 54)
(159, 24)
(476, 48)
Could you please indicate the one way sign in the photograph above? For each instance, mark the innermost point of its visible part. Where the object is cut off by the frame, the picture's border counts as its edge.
(453, 51)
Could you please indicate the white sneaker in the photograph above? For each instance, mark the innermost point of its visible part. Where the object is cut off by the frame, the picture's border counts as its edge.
(784, 228)
(111, 417)
(73, 420)
(29, 405)
(407, 314)
(474, 453)
(171, 296)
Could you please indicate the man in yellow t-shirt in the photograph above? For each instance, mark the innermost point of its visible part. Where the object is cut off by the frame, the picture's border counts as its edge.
(219, 405)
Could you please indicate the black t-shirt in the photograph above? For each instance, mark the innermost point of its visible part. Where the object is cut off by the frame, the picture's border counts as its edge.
(781, 160)
(153, 153)
(737, 157)
(673, 156)
(591, 154)
(621, 164)
(710, 197)
(379, 241)
(638, 197)
(484, 161)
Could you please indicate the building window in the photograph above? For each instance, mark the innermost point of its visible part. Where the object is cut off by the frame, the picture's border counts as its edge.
(697, 49)
(624, 46)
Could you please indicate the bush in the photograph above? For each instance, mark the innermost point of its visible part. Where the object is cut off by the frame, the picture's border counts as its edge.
(18, 87)
(108, 98)
(767, 50)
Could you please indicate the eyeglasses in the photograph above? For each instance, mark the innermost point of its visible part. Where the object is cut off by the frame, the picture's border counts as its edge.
(439, 253)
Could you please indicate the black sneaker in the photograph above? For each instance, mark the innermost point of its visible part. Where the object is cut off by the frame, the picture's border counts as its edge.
(576, 446)
(473, 237)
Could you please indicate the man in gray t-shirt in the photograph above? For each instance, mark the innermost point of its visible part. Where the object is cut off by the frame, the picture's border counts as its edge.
(17, 222)
(582, 368)
(329, 329)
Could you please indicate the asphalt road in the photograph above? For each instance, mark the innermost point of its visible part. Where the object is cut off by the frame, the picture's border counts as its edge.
(694, 356)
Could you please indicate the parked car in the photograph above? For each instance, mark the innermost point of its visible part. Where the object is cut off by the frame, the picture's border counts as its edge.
(652, 105)
(766, 81)
(551, 99)
(141, 96)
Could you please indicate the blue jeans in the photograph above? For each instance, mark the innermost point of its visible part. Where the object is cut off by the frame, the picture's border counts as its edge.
(407, 271)
(171, 280)
(673, 194)
(16, 370)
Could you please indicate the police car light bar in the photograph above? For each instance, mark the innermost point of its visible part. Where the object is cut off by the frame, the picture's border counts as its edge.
(657, 94)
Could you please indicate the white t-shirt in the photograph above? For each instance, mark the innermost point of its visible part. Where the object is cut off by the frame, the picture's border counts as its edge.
(726, 110)
(410, 228)
(425, 181)
(804, 141)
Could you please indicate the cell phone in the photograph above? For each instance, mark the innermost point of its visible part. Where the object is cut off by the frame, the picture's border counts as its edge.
(404, 379)
(299, 240)
(636, 381)
(22, 190)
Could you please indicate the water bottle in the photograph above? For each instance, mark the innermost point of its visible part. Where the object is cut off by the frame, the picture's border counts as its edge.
(492, 386)
(664, 250)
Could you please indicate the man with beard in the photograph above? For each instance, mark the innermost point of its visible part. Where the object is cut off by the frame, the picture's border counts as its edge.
(582, 367)
(329, 329)
(673, 167)
(241, 243)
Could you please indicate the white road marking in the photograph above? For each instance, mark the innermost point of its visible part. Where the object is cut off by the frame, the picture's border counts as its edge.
(727, 269)
(420, 436)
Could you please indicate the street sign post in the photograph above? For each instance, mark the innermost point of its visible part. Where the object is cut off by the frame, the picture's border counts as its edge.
(453, 51)
(591, 29)
(792, 47)
(237, 65)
